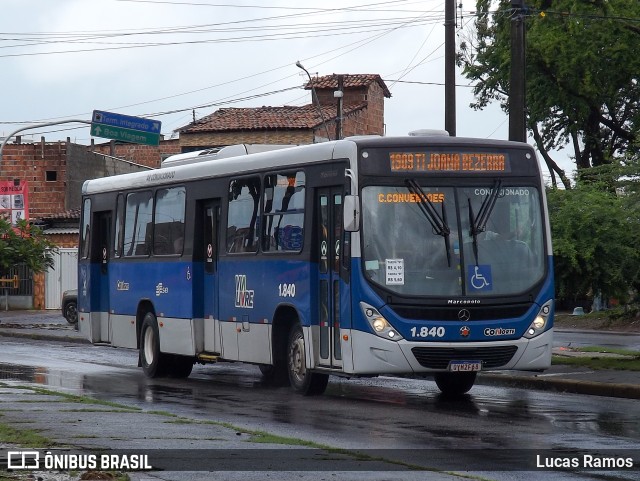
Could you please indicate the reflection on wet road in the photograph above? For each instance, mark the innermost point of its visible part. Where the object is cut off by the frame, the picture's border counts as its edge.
(367, 413)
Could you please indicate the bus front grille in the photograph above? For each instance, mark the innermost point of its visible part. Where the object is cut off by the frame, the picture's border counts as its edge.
(439, 357)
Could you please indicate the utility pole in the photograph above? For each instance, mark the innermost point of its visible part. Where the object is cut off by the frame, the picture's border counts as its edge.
(450, 67)
(517, 82)
(339, 94)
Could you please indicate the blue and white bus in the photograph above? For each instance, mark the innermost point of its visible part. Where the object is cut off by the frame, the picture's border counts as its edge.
(419, 255)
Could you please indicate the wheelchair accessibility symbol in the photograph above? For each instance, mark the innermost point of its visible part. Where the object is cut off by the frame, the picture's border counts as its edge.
(479, 278)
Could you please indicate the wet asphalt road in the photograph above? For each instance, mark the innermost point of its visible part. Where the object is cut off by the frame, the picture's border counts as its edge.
(408, 416)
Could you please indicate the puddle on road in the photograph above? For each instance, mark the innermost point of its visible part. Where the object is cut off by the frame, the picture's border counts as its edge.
(42, 375)
(235, 388)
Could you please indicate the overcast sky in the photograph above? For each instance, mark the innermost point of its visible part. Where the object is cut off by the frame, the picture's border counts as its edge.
(61, 59)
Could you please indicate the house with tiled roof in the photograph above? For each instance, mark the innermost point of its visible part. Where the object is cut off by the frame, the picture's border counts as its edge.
(360, 111)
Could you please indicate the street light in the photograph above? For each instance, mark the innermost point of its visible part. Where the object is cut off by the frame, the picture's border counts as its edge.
(315, 96)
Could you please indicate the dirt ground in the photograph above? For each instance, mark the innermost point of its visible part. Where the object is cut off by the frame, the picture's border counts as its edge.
(598, 322)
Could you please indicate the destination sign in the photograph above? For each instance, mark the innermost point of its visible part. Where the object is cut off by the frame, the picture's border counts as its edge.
(449, 162)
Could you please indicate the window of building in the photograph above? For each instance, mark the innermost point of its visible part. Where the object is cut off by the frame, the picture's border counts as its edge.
(283, 220)
(51, 175)
(244, 201)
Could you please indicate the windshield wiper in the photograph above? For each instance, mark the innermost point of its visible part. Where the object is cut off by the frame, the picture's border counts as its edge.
(479, 224)
(438, 222)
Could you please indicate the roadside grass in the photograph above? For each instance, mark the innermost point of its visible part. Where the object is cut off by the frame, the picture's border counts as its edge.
(23, 437)
(602, 358)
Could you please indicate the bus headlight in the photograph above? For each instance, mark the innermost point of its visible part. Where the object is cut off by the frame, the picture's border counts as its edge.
(540, 322)
(379, 324)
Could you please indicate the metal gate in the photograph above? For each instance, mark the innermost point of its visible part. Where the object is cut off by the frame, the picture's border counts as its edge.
(61, 277)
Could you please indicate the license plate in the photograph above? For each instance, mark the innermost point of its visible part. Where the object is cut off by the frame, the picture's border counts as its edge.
(465, 366)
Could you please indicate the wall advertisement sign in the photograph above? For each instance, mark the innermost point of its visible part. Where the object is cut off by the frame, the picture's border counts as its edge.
(14, 200)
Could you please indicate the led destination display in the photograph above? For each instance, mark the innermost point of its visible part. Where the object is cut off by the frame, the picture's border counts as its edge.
(448, 162)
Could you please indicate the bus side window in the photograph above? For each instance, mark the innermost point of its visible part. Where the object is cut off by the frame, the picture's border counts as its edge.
(85, 232)
(138, 225)
(283, 217)
(168, 233)
(244, 200)
(119, 230)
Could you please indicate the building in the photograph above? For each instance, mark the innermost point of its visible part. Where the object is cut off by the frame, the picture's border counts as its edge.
(362, 107)
(53, 174)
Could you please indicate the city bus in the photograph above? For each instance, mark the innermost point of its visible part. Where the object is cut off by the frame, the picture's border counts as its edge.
(425, 256)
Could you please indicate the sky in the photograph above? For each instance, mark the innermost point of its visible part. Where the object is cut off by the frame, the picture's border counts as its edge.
(174, 60)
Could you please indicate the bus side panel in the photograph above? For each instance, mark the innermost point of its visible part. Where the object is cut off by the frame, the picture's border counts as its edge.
(251, 289)
(167, 285)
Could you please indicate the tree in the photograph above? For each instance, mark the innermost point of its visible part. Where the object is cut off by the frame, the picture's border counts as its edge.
(24, 244)
(581, 75)
(595, 237)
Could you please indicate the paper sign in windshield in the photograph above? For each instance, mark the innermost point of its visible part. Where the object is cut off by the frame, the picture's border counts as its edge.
(394, 272)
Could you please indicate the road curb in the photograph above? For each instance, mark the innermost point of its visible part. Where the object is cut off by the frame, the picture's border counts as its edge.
(627, 391)
(41, 337)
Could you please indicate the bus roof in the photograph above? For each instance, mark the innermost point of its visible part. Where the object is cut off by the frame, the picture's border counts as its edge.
(208, 166)
(218, 167)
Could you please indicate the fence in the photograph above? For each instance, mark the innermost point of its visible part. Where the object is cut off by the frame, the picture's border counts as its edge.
(25, 281)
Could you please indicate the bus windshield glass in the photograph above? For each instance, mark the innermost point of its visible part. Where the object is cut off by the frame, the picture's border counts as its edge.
(480, 241)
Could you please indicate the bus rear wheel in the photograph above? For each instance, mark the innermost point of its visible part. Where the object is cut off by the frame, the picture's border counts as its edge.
(455, 383)
(302, 380)
(154, 363)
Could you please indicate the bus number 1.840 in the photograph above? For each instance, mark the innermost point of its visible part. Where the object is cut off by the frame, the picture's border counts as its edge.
(425, 331)
(287, 290)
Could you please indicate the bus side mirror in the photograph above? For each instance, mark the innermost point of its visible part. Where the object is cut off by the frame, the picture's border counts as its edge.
(351, 213)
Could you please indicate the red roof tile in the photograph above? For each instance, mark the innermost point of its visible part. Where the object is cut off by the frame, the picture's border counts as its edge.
(348, 81)
(266, 118)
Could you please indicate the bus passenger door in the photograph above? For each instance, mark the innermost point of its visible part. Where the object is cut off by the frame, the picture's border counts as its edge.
(209, 215)
(100, 252)
(329, 202)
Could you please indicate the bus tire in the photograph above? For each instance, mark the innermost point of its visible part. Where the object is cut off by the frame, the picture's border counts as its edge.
(302, 380)
(455, 383)
(152, 360)
(180, 367)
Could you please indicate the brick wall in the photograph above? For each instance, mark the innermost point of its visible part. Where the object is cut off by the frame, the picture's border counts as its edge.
(32, 162)
(149, 155)
(369, 121)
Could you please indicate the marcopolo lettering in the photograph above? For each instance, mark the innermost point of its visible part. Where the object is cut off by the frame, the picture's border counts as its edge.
(498, 331)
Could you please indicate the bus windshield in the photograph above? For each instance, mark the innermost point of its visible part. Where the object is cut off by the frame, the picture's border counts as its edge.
(480, 241)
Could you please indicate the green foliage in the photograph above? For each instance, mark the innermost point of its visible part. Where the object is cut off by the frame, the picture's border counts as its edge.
(24, 244)
(581, 74)
(595, 237)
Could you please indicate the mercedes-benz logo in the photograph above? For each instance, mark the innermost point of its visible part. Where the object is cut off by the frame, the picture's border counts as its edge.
(464, 315)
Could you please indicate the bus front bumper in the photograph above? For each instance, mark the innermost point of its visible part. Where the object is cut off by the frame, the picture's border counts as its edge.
(374, 355)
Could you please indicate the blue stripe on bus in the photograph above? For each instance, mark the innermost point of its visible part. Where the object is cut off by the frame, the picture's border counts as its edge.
(252, 290)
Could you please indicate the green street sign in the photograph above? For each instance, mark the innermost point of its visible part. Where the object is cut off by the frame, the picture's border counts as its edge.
(125, 135)
(125, 128)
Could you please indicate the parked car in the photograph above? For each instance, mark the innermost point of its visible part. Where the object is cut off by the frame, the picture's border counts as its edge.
(70, 306)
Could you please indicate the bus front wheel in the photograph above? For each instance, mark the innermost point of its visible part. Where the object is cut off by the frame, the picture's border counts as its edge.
(455, 383)
(179, 366)
(152, 360)
(302, 380)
